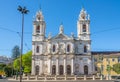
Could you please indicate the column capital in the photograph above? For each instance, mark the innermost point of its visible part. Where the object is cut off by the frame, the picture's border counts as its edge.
(64, 56)
(72, 57)
(49, 56)
(57, 57)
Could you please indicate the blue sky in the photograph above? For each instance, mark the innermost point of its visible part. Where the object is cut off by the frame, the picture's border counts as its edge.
(104, 15)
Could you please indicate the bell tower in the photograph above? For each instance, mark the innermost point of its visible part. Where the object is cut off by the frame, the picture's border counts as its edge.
(39, 27)
(83, 25)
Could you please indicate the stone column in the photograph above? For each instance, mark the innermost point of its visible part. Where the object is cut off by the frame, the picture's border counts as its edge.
(64, 66)
(57, 67)
(41, 67)
(49, 68)
(72, 70)
(33, 67)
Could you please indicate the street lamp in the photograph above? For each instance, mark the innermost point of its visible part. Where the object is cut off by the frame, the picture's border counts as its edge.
(23, 11)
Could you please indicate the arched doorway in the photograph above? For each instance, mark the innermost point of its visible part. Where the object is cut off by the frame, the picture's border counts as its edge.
(61, 69)
(53, 70)
(68, 69)
(37, 70)
(86, 70)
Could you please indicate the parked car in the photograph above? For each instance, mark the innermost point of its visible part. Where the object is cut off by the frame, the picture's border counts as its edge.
(1, 77)
(117, 79)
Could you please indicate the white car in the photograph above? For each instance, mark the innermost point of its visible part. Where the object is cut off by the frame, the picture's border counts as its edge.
(117, 79)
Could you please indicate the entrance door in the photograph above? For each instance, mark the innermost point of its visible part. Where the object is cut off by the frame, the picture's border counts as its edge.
(61, 69)
(37, 70)
(86, 70)
(53, 70)
(68, 69)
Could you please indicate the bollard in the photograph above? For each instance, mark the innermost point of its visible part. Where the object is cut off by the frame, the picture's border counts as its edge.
(101, 77)
(106, 77)
(65, 77)
(36, 77)
(93, 77)
(28, 77)
(55, 77)
(45, 77)
(75, 77)
(84, 77)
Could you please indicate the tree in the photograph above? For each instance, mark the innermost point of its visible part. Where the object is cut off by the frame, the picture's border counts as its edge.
(16, 64)
(116, 68)
(15, 52)
(109, 68)
(8, 70)
(2, 69)
(26, 60)
(2, 66)
(26, 63)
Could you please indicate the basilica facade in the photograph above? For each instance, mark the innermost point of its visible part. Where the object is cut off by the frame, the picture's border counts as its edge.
(62, 54)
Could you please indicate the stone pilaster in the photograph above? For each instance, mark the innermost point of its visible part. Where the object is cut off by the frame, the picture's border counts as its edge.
(49, 68)
(72, 66)
(65, 65)
(33, 67)
(57, 67)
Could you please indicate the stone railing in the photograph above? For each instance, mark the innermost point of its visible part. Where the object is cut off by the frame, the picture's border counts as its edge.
(61, 77)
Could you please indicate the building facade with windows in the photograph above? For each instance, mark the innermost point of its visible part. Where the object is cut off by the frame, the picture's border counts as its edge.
(104, 61)
(62, 54)
(5, 60)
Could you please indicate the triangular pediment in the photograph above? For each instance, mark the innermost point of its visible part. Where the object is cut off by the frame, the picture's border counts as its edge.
(61, 36)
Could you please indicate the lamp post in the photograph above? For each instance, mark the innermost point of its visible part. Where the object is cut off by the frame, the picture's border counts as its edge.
(23, 11)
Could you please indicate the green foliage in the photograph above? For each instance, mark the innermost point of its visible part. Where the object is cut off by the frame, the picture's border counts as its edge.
(15, 52)
(16, 64)
(2, 66)
(26, 60)
(109, 68)
(8, 70)
(116, 68)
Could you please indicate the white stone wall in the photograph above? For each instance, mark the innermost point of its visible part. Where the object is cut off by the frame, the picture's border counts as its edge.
(76, 58)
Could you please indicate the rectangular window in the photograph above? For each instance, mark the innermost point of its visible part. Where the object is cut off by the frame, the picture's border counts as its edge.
(106, 59)
(118, 59)
(113, 59)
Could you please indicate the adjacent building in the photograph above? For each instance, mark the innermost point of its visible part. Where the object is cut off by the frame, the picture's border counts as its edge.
(104, 60)
(5, 60)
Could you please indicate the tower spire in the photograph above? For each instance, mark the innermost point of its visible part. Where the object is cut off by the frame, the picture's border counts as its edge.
(40, 9)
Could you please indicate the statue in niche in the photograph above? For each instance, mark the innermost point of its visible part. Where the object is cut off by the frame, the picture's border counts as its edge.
(45, 68)
(76, 68)
(49, 48)
(76, 49)
(61, 49)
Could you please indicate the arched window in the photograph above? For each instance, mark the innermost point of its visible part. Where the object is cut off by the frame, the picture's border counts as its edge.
(54, 48)
(37, 49)
(85, 49)
(84, 28)
(37, 70)
(38, 29)
(68, 69)
(68, 48)
(61, 69)
(53, 70)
